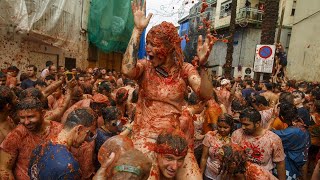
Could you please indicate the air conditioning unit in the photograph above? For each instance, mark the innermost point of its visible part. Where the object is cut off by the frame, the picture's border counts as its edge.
(244, 72)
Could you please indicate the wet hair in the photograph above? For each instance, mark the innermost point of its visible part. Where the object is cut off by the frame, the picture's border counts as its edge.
(29, 103)
(286, 97)
(257, 87)
(135, 96)
(261, 100)
(127, 81)
(268, 86)
(316, 93)
(81, 116)
(77, 93)
(215, 83)
(303, 84)
(236, 106)
(136, 159)
(288, 112)
(33, 67)
(6, 96)
(291, 83)
(121, 95)
(35, 93)
(249, 82)
(299, 92)
(97, 107)
(233, 154)
(227, 119)
(17, 90)
(80, 75)
(49, 63)
(104, 85)
(31, 92)
(110, 113)
(50, 77)
(252, 114)
(13, 69)
(173, 140)
(167, 40)
(2, 75)
(40, 83)
(23, 76)
(87, 88)
(193, 99)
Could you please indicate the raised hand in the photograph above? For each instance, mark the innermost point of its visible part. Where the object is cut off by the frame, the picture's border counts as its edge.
(204, 49)
(138, 11)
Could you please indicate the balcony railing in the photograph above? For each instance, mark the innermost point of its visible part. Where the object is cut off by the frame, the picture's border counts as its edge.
(55, 22)
(250, 15)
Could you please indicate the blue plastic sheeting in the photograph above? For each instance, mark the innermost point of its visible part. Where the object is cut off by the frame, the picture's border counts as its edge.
(142, 47)
(184, 29)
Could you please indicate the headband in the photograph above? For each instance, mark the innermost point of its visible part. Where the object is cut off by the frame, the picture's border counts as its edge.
(166, 149)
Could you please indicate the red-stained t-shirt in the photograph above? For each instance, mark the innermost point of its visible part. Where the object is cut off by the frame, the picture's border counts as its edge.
(255, 172)
(263, 150)
(84, 154)
(160, 99)
(20, 142)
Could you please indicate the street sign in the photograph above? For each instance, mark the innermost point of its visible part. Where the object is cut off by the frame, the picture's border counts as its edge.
(264, 58)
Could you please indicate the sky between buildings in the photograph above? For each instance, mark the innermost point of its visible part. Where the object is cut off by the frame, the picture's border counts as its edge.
(168, 10)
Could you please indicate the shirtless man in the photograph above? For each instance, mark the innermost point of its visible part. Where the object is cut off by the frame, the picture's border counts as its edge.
(163, 80)
(7, 100)
(12, 80)
(271, 97)
(3, 79)
(16, 148)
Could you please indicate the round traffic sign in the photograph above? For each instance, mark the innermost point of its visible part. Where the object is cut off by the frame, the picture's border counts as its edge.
(265, 52)
(248, 71)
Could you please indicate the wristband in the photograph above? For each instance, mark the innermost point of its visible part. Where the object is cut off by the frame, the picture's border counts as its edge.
(128, 168)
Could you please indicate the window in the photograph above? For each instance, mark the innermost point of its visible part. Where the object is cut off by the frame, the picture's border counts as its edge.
(225, 9)
(293, 10)
(288, 40)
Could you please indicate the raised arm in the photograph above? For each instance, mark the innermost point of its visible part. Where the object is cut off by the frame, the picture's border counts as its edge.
(56, 114)
(52, 88)
(130, 58)
(203, 84)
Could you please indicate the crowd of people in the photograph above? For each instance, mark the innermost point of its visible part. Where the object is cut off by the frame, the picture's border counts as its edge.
(159, 118)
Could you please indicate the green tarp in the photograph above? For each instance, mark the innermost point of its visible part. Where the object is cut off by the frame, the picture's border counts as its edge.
(110, 24)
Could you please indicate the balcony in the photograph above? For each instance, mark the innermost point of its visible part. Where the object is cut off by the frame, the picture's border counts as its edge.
(54, 23)
(249, 15)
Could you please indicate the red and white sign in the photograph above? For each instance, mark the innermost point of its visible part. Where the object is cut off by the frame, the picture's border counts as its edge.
(264, 58)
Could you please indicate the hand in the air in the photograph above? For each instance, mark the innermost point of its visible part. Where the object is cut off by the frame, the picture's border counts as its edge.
(204, 49)
(138, 11)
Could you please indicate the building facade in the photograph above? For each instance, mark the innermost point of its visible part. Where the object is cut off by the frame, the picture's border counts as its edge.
(32, 32)
(303, 55)
(247, 35)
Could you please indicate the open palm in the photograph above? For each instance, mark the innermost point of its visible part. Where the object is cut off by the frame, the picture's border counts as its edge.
(204, 48)
(138, 11)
